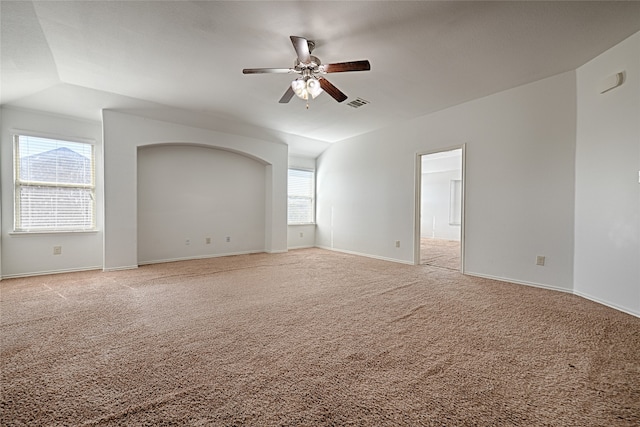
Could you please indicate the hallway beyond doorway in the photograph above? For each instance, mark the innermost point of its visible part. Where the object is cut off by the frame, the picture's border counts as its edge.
(440, 208)
(440, 253)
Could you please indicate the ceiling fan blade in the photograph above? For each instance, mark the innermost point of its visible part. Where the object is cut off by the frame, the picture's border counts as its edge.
(268, 71)
(287, 96)
(341, 67)
(301, 46)
(328, 87)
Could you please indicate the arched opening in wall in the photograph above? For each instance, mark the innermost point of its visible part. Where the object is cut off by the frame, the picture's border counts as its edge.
(440, 205)
(198, 202)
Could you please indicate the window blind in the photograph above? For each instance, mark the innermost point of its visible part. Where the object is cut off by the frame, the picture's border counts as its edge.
(301, 191)
(54, 185)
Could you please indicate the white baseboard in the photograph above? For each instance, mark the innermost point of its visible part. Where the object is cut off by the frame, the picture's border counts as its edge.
(126, 267)
(301, 247)
(160, 261)
(607, 303)
(519, 282)
(401, 261)
(45, 273)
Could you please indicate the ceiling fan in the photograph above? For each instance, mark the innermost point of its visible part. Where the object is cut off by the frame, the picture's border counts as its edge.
(311, 83)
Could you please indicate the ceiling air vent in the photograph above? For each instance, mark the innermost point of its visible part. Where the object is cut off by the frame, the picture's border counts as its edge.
(358, 102)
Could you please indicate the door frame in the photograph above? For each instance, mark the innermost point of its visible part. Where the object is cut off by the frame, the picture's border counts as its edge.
(418, 201)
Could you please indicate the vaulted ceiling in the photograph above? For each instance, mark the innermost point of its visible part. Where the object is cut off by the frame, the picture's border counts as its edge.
(182, 60)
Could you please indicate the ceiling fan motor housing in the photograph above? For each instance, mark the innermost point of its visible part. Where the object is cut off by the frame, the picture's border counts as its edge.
(313, 64)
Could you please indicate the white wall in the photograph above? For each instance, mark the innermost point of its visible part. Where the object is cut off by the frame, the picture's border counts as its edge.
(125, 133)
(191, 193)
(607, 220)
(28, 253)
(301, 236)
(519, 184)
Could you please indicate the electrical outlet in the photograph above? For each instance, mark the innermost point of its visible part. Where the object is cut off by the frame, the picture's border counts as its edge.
(187, 242)
(57, 250)
(301, 234)
(207, 240)
(540, 260)
(228, 239)
(397, 243)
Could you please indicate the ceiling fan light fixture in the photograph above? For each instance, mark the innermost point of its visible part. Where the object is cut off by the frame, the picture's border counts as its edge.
(303, 87)
(313, 87)
(299, 87)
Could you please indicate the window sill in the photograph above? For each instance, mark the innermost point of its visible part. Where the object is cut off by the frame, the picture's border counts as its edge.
(36, 233)
(306, 223)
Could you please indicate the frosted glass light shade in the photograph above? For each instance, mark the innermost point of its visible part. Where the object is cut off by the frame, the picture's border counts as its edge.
(299, 87)
(313, 87)
(303, 88)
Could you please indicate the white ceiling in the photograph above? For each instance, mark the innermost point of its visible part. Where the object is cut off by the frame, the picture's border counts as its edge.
(182, 60)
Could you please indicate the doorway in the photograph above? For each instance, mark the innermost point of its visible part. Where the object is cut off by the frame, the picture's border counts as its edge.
(440, 208)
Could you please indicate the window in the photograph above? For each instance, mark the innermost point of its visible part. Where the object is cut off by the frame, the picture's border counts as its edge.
(301, 195)
(54, 185)
(455, 202)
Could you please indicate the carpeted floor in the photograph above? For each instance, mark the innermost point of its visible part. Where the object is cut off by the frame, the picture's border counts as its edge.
(440, 253)
(310, 338)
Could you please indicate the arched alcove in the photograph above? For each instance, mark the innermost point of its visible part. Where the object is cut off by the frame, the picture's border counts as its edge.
(125, 134)
(197, 201)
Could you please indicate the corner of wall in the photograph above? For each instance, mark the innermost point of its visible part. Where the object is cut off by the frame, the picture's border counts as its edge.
(607, 206)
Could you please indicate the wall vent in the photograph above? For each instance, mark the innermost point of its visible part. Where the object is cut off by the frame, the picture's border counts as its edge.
(358, 102)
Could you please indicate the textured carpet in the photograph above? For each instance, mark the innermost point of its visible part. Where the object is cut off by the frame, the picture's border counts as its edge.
(440, 253)
(310, 338)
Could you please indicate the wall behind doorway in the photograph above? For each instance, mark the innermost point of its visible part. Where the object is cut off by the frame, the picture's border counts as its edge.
(438, 172)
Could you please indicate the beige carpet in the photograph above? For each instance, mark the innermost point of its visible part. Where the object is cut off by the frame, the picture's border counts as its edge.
(440, 253)
(310, 338)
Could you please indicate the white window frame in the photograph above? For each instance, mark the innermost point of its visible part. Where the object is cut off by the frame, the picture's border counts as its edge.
(312, 197)
(455, 202)
(19, 183)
